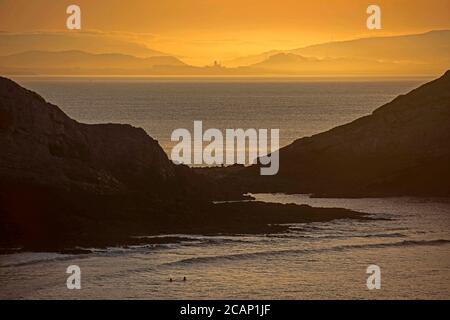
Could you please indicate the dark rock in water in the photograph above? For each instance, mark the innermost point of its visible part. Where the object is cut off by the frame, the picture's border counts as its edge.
(75, 251)
(402, 148)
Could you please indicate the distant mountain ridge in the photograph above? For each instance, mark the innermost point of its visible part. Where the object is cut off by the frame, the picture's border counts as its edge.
(420, 54)
(433, 45)
(408, 53)
(91, 41)
(293, 64)
(64, 61)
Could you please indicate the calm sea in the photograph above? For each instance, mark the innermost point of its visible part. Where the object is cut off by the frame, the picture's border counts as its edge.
(298, 107)
(411, 244)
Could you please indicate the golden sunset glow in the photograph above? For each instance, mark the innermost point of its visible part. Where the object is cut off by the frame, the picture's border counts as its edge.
(223, 157)
(202, 31)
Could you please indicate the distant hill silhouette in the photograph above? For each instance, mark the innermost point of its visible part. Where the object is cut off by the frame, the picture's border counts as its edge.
(401, 149)
(408, 54)
(293, 64)
(433, 46)
(284, 60)
(90, 41)
(79, 62)
(421, 54)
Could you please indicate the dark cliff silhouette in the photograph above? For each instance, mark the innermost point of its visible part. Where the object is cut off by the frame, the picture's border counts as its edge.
(65, 184)
(401, 149)
(42, 146)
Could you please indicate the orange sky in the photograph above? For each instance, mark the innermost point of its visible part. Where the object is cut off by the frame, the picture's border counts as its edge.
(200, 31)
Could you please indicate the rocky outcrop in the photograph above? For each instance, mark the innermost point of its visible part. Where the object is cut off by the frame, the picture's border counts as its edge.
(41, 145)
(402, 148)
(64, 182)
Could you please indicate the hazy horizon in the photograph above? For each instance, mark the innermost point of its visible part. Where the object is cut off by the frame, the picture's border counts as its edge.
(227, 38)
(203, 31)
(412, 55)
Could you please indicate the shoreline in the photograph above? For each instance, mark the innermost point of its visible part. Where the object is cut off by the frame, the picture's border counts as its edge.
(225, 218)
